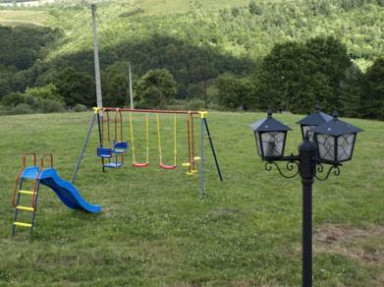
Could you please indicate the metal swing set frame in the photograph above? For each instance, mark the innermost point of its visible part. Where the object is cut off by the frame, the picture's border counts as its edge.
(118, 146)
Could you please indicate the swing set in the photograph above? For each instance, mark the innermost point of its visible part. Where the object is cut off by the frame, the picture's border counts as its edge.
(113, 145)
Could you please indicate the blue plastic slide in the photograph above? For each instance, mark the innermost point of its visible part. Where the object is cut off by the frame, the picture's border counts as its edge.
(65, 190)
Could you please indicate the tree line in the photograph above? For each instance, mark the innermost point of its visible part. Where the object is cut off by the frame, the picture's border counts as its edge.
(215, 64)
(294, 76)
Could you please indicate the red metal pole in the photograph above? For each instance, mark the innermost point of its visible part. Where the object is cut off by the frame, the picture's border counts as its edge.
(151, 111)
(193, 143)
(189, 143)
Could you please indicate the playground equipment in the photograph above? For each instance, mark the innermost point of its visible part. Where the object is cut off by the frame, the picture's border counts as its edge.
(66, 192)
(116, 147)
(107, 148)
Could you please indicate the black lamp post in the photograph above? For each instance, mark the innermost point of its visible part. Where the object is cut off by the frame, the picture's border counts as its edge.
(333, 144)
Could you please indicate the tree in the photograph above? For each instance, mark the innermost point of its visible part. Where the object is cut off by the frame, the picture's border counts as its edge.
(295, 76)
(5, 78)
(116, 84)
(331, 60)
(254, 8)
(226, 91)
(279, 74)
(372, 101)
(156, 88)
(235, 93)
(352, 88)
(76, 87)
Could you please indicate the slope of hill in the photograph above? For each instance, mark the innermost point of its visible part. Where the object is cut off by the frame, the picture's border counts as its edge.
(199, 40)
(229, 27)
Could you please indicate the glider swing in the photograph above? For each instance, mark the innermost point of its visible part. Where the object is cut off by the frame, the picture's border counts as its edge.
(117, 146)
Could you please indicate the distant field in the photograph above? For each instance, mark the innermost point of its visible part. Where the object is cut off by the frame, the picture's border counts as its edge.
(155, 7)
(23, 17)
(156, 231)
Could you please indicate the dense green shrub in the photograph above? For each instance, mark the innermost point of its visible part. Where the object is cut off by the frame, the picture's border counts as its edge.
(79, 108)
(22, 108)
(38, 99)
(13, 99)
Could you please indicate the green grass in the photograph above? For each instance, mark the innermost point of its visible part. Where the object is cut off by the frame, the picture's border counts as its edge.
(156, 231)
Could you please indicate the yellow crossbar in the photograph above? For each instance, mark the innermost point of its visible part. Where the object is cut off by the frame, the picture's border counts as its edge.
(26, 192)
(23, 224)
(25, 208)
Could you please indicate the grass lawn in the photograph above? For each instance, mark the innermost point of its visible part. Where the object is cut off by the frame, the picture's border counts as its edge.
(156, 231)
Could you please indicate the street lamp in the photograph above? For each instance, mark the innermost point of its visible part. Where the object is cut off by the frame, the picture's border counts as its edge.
(332, 143)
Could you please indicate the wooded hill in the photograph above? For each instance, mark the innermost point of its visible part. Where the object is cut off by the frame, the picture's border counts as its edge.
(201, 44)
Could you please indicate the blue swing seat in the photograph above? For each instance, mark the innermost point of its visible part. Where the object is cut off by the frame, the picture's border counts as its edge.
(104, 152)
(120, 147)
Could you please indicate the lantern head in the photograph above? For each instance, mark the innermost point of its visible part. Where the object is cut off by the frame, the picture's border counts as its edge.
(270, 136)
(313, 120)
(335, 140)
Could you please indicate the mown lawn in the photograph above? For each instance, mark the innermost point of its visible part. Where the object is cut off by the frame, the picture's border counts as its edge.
(156, 231)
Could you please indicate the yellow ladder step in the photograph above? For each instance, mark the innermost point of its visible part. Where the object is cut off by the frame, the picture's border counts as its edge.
(26, 192)
(197, 158)
(22, 224)
(20, 207)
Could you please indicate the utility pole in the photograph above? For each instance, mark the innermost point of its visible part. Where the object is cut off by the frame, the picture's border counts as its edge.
(130, 86)
(96, 56)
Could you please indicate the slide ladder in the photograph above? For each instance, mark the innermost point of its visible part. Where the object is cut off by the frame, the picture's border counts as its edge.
(24, 199)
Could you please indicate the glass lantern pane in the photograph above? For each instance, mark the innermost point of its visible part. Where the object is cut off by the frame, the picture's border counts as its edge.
(273, 143)
(345, 147)
(326, 146)
(258, 143)
(310, 133)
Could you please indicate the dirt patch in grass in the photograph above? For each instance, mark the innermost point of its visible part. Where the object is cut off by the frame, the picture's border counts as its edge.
(362, 244)
(224, 213)
(365, 245)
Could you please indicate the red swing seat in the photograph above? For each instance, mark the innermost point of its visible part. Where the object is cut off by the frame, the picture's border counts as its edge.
(164, 166)
(140, 164)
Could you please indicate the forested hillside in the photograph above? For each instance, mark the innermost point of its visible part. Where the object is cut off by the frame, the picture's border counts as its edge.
(220, 53)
